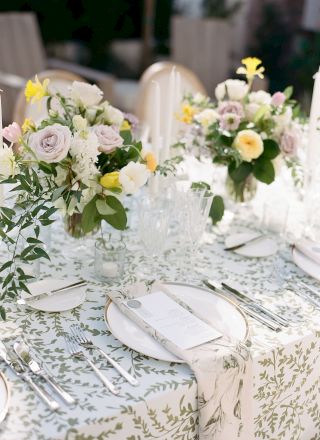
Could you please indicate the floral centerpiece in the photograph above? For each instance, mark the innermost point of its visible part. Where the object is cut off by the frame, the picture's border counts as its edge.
(81, 159)
(250, 132)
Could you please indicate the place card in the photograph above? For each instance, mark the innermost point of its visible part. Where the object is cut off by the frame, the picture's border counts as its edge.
(171, 320)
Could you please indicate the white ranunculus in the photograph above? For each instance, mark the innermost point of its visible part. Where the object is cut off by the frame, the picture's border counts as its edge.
(283, 120)
(52, 143)
(133, 176)
(220, 91)
(108, 138)
(236, 89)
(198, 98)
(260, 97)
(85, 94)
(8, 166)
(113, 115)
(79, 123)
(207, 117)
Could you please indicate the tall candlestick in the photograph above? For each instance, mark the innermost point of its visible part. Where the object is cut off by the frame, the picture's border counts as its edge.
(1, 138)
(169, 115)
(177, 104)
(156, 114)
(313, 150)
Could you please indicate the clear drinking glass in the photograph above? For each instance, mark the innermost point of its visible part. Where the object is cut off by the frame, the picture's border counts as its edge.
(109, 259)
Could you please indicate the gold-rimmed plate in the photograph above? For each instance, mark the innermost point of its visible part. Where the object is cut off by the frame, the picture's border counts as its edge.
(4, 396)
(223, 314)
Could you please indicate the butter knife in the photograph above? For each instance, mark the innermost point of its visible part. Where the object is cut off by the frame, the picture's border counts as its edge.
(23, 352)
(244, 243)
(23, 301)
(15, 365)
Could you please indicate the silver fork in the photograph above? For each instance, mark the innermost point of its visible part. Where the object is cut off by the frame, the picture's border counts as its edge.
(76, 351)
(85, 342)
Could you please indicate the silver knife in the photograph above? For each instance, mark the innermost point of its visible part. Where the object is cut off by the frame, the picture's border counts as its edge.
(23, 301)
(19, 370)
(244, 243)
(279, 319)
(244, 306)
(23, 352)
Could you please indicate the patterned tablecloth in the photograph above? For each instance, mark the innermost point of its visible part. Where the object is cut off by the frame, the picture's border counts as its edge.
(286, 396)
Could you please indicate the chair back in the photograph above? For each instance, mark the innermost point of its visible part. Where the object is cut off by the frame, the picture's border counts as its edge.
(160, 72)
(21, 52)
(60, 81)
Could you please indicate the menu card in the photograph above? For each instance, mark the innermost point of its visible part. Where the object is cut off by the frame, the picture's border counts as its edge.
(171, 320)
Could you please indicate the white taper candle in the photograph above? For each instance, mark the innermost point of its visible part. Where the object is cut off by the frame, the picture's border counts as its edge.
(313, 150)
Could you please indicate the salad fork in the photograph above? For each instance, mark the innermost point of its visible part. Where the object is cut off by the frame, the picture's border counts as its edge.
(76, 351)
(85, 342)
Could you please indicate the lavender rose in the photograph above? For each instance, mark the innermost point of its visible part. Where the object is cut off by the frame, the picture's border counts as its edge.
(108, 138)
(289, 142)
(52, 143)
(231, 107)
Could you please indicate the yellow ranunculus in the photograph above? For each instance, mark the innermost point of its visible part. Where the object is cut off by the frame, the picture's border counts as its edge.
(36, 90)
(28, 125)
(151, 162)
(110, 180)
(251, 70)
(249, 144)
(125, 126)
(187, 113)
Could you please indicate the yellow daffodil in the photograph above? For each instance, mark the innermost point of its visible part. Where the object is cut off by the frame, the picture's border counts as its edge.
(151, 162)
(28, 125)
(251, 68)
(36, 90)
(187, 113)
(125, 125)
(110, 180)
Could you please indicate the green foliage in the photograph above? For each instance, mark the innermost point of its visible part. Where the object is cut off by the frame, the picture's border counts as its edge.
(241, 172)
(263, 170)
(217, 209)
(270, 149)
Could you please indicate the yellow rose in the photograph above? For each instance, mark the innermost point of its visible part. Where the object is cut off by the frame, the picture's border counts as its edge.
(35, 91)
(125, 126)
(110, 180)
(249, 144)
(151, 162)
(28, 125)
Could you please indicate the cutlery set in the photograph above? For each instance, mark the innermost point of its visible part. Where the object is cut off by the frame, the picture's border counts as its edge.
(19, 359)
(250, 306)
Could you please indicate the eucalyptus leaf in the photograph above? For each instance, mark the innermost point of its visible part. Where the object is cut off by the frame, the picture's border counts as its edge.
(103, 208)
(217, 209)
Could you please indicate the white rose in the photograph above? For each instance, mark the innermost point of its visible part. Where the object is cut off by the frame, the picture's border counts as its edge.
(113, 115)
(261, 97)
(79, 123)
(207, 117)
(108, 138)
(251, 110)
(8, 166)
(52, 143)
(133, 176)
(236, 88)
(85, 94)
(220, 91)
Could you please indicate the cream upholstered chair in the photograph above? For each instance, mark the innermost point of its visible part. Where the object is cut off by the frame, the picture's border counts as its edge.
(60, 80)
(22, 55)
(160, 72)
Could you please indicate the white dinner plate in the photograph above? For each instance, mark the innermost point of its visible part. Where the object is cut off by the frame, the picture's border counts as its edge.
(223, 314)
(306, 264)
(60, 302)
(262, 248)
(4, 397)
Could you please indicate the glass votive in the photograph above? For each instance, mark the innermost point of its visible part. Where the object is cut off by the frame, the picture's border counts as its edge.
(109, 259)
(275, 217)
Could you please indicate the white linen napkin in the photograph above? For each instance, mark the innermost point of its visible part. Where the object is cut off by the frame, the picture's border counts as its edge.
(223, 370)
(309, 248)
